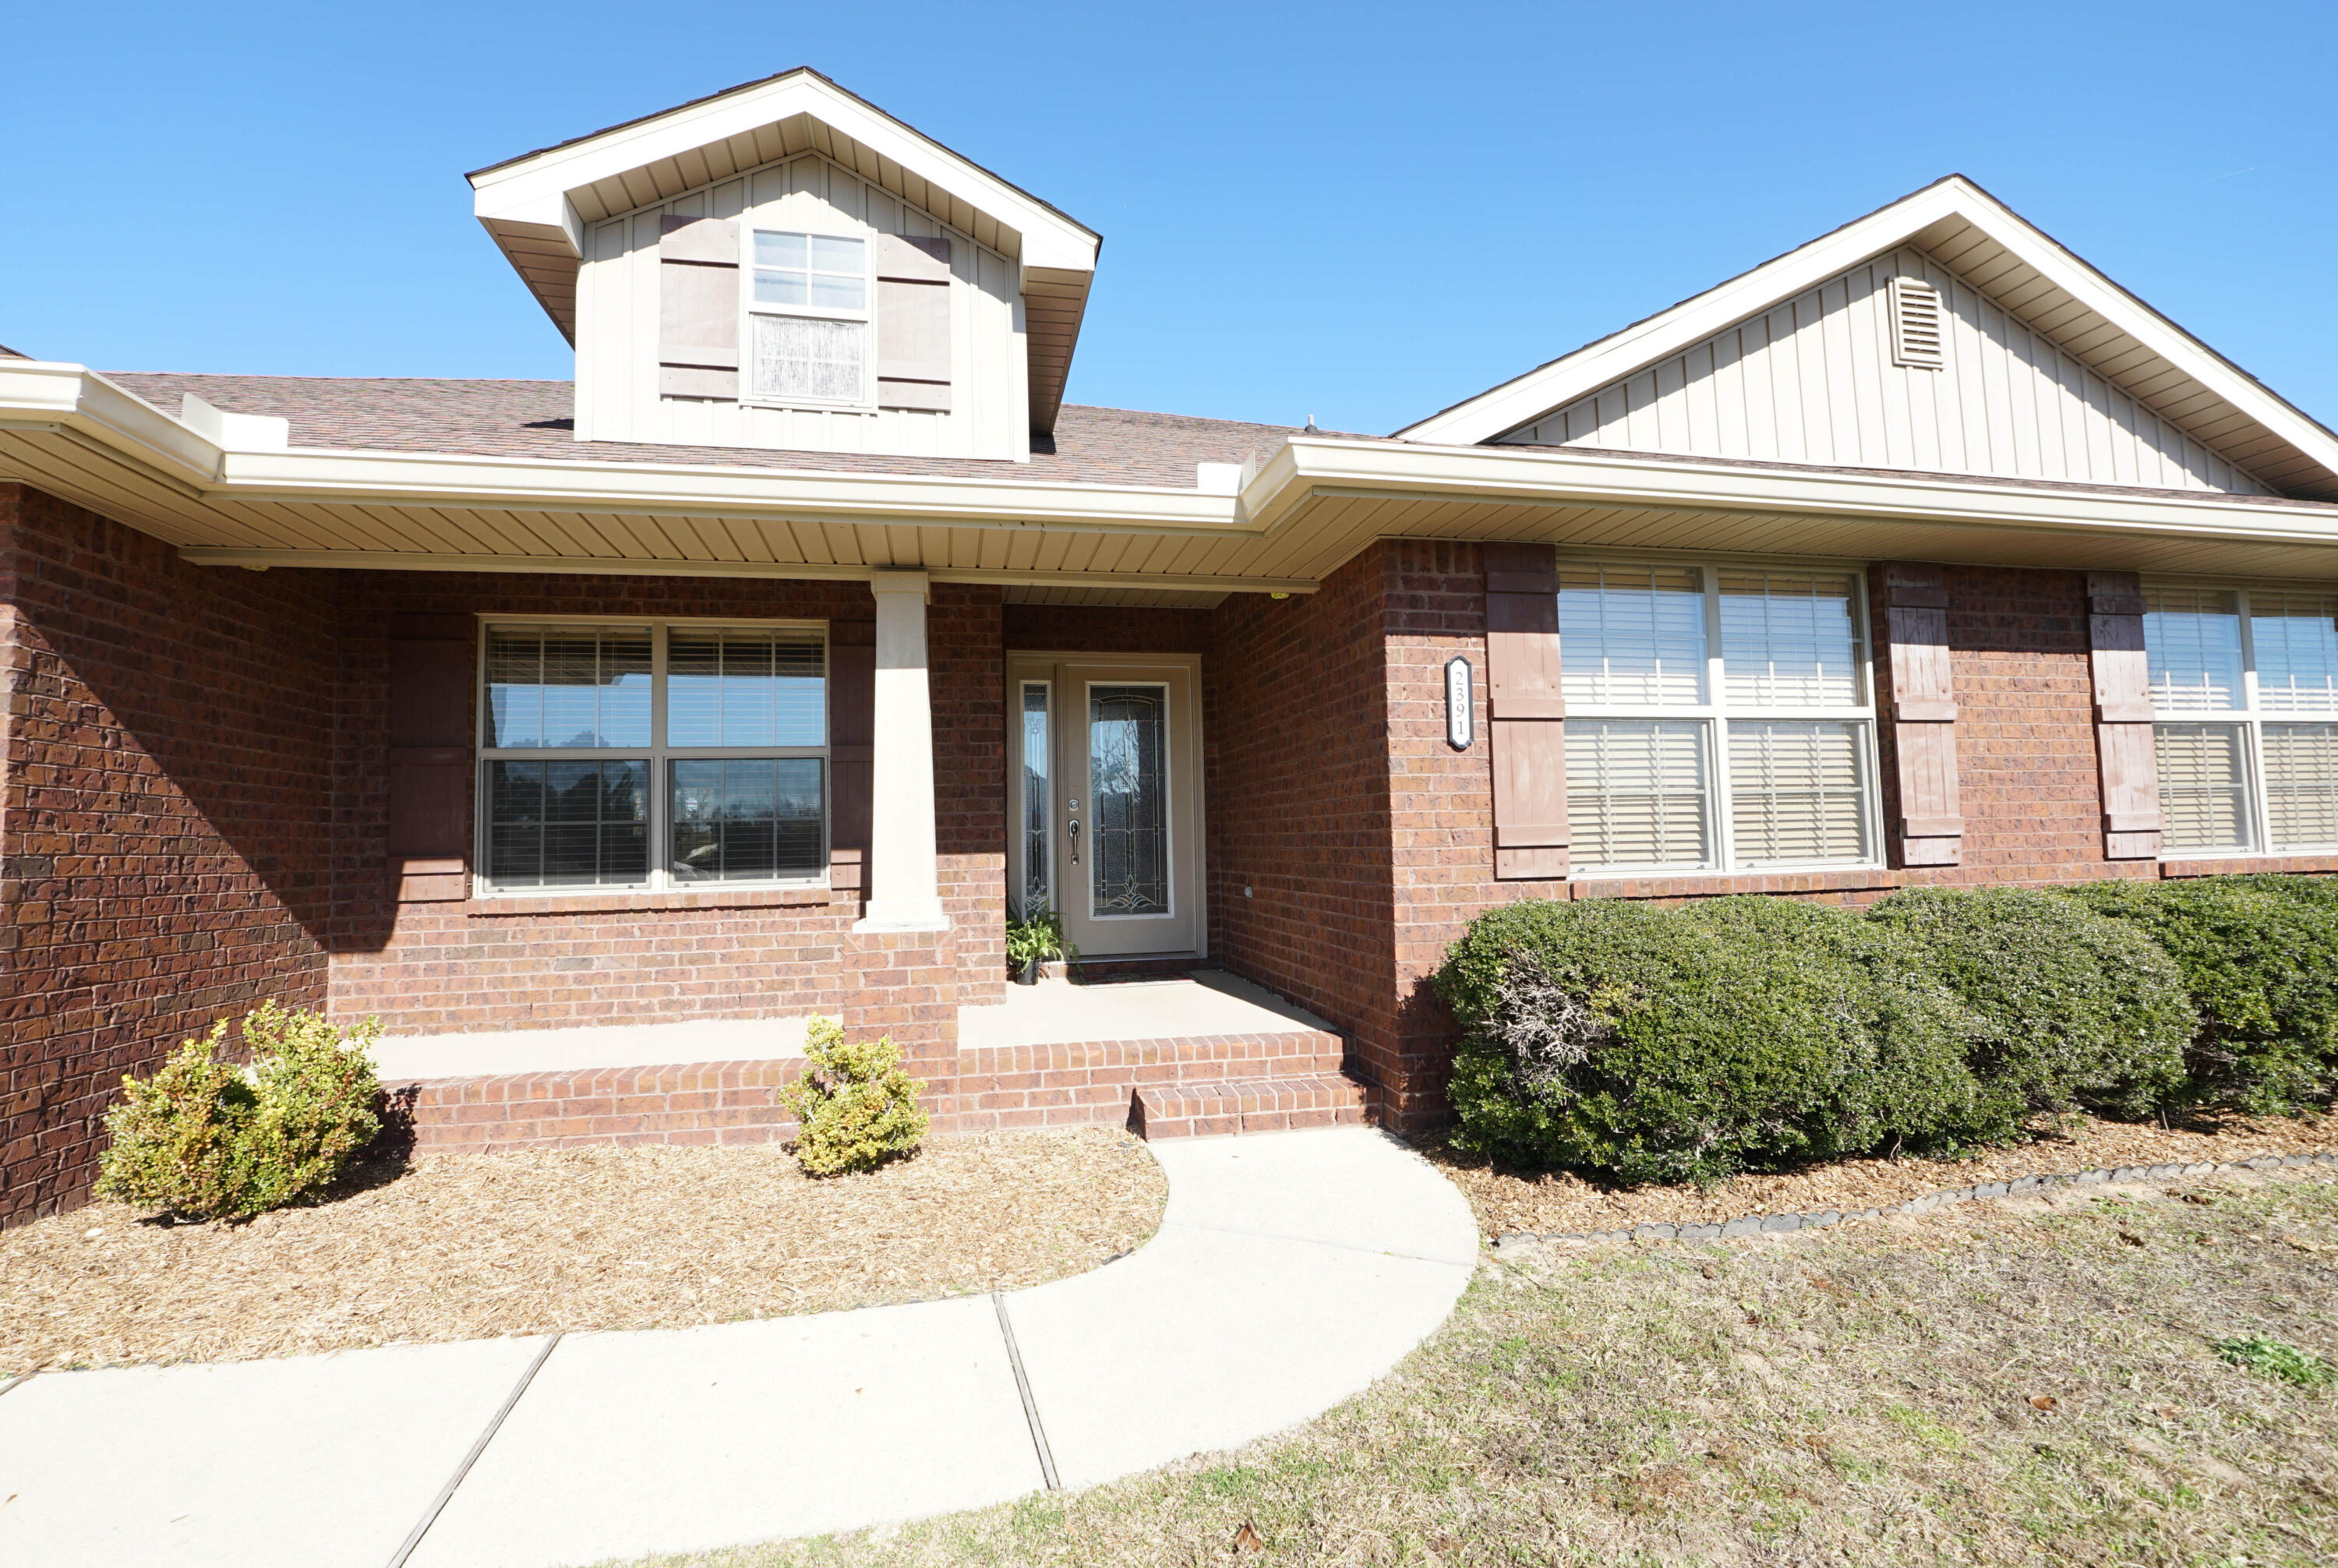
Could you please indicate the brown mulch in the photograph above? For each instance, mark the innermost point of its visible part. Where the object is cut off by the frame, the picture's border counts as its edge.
(468, 1246)
(1559, 1202)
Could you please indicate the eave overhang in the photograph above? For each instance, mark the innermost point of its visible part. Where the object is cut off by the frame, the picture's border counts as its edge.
(1309, 507)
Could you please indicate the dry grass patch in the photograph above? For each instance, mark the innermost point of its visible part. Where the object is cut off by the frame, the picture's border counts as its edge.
(2030, 1383)
(463, 1247)
(1559, 1202)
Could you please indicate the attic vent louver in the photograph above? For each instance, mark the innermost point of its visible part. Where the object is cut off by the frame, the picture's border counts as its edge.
(1916, 324)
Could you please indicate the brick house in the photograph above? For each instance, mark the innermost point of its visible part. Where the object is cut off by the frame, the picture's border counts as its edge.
(756, 674)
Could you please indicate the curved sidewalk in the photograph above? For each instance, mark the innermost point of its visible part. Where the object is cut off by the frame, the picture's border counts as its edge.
(1290, 1271)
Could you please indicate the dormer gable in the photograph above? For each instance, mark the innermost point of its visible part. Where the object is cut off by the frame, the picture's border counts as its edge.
(785, 266)
(1941, 333)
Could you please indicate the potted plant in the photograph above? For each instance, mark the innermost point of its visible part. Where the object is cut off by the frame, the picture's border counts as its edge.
(1033, 942)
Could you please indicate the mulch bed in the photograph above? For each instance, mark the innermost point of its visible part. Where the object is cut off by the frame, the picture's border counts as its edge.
(466, 1247)
(1559, 1202)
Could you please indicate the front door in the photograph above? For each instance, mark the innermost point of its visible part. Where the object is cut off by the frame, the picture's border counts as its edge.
(1108, 800)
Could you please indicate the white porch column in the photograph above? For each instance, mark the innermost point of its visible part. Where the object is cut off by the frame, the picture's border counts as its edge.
(905, 894)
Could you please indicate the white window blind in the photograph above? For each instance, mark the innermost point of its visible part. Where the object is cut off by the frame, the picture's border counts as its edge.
(2263, 664)
(808, 356)
(2202, 797)
(1718, 717)
(1788, 638)
(2194, 638)
(1636, 792)
(2301, 772)
(1797, 791)
(1632, 636)
(2296, 639)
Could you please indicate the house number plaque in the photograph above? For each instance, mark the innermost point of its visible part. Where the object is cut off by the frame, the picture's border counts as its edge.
(1460, 722)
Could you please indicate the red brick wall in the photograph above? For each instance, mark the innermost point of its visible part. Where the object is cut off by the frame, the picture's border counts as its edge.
(621, 959)
(164, 805)
(1096, 628)
(2027, 777)
(1295, 730)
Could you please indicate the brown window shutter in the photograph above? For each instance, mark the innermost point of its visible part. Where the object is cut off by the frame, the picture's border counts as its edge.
(2124, 741)
(851, 751)
(698, 308)
(1526, 714)
(913, 323)
(1929, 830)
(429, 837)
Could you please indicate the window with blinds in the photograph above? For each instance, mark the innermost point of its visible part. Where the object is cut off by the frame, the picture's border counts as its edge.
(2247, 681)
(652, 755)
(1718, 717)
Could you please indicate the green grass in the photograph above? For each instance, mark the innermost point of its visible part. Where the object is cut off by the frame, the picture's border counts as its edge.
(2277, 1359)
(1864, 1397)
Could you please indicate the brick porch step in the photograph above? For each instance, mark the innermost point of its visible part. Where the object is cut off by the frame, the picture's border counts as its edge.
(1250, 1105)
(697, 1103)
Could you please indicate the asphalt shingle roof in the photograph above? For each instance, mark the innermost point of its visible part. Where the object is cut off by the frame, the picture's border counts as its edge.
(533, 420)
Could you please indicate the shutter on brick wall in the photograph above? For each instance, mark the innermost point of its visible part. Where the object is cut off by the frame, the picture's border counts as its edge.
(698, 308)
(1527, 729)
(429, 837)
(913, 323)
(851, 751)
(2123, 716)
(1929, 830)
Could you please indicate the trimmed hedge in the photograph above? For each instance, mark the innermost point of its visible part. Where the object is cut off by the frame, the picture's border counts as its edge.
(2260, 957)
(2080, 1009)
(1668, 1044)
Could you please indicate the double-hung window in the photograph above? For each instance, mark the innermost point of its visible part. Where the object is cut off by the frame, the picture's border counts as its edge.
(2245, 684)
(1718, 717)
(808, 319)
(652, 755)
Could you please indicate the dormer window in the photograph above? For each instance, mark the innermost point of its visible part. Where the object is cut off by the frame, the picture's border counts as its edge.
(808, 319)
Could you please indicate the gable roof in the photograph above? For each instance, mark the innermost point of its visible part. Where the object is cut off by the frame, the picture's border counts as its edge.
(1972, 234)
(536, 207)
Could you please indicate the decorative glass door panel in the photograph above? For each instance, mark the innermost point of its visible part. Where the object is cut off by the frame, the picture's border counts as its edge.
(1106, 795)
(1128, 780)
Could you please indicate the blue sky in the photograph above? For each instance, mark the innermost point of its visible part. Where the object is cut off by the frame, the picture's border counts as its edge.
(1362, 212)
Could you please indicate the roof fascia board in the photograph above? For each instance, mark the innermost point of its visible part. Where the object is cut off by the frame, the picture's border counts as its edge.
(261, 559)
(1561, 382)
(1527, 475)
(535, 189)
(110, 419)
(391, 477)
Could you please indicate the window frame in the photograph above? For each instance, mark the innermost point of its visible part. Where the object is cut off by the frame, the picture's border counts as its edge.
(658, 754)
(2250, 717)
(1716, 713)
(866, 401)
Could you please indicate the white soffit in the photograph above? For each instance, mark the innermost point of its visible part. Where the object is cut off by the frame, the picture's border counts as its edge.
(536, 206)
(1978, 236)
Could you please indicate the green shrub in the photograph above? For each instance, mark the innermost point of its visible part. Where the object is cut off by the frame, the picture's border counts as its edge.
(2260, 955)
(1666, 1044)
(204, 1139)
(857, 1107)
(2077, 1010)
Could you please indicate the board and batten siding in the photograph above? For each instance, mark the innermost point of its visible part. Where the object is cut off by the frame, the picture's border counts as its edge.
(1812, 381)
(617, 315)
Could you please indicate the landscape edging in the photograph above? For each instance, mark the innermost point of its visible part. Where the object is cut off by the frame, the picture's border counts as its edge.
(1778, 1224)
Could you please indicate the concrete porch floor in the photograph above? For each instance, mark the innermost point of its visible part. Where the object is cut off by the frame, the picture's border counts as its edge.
(1057, 1012)
(1054, 1012)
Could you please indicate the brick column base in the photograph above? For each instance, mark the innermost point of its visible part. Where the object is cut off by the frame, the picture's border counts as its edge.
(904, 984)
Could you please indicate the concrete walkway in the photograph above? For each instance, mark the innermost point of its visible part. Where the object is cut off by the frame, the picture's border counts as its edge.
(1290, 1270)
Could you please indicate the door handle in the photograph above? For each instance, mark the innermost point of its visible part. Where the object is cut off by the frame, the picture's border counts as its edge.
(1073, 827)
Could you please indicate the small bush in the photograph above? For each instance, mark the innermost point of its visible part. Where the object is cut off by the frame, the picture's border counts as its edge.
(1668, 1044)
(857, 1107)
(2077, 1010)
(2277, 1359)
(2260, 957)
(204, 1139)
